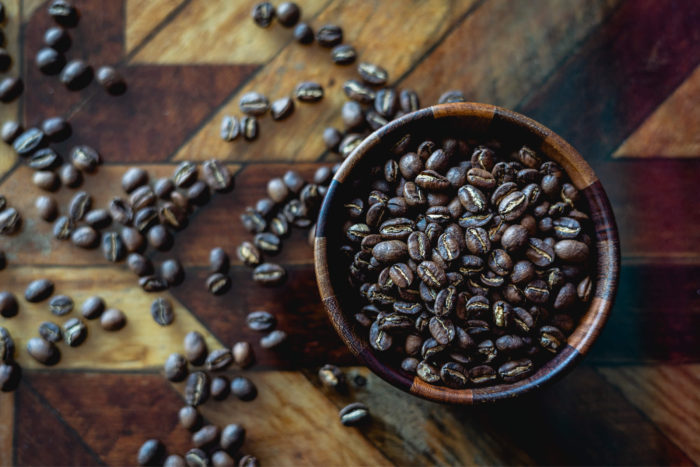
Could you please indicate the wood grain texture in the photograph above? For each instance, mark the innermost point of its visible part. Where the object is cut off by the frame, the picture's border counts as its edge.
(140, 344)
(142, 16)
(671, 131)
(667, 395)
(223, 32)
(11, 111)
(299, 137)
(7, 427)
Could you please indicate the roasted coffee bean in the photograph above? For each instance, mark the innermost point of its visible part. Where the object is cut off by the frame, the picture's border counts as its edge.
(44, 159)
(329, 35)
(243, 388)
(175, 367)
(358, 91)
(372, 74)
(150, 453)
(349, 143)
(343, 54)
(57, 38)
(571, 250)
(379, 339)
(134, 178)
(49, 61)
(28, 141)
(427, 372)
(185, 174)
(70, 176)
(46, 180)
(539, 252)
(267, 242)
(566, 297)
(64, 13)
(174, 460)
(218, 284)
(273, 339)
(188, 416)
(452, 96)
(249, 254)
(253, 103)
(331, 138)
(76, 74)
(38, 290)
(92, 308)
(410, 365)
(439, 161)
(152, 283)
(288, 14)
(219, 359)
(281, 108)
(8, 304)
(390, 251)
(230, 128)
(352, 114)
(10, 375)
(448, 247)
(198, 194)
(197, 388)
(85, 237)
(113, 247)
(10, 88)
(11, 129)
(7, 346)
(218, 260)
(196, 458)
(401, 275)
(133, 239)
(354, 414)
(139, 264)
(85, 158)
(111, 80)
(61, 305)
(243, 355)
(46, 207)
(145, 218)
(171, 270)
(551, 338)
(500, 262)
(446, 301)
(263, 13)
(74, 332)
(454, 375)
(477, 240)
(537, 291)
(205, 436)
(431, 274)
(50, 332)
(308, 91)
(160, 238)
(515, 370)
(442, 330)
(584, 289)
(98, 218)
(232, 437)
(303, 33)
(269, 274)
(386, 102)
(261, 321)
(162, 311)
(331, 376)
(249, 128)
(398, 228)
(514, 238)
(79, 206)
(418, 246)
(409, 101)
(472, 199)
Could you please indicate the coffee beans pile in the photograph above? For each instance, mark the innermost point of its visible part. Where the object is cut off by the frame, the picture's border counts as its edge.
(472, 260)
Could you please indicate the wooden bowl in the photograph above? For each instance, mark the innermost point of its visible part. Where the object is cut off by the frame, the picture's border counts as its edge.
(464, 119)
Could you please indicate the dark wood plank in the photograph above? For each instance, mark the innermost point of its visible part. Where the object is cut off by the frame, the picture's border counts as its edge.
(147, 408)
(631, 65)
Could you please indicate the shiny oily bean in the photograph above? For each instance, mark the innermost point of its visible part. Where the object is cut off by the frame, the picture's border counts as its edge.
(244, 388)
(98, 218)
(267, 242)
(329, 35)
(513, 206)
(7, 346)
(571, 250)
(269, 274)
(139, 264)
(197, 388)
(522, 319)
(448, 246)
(477, 240)
(308, 91)
(38, 290)
(372, 74)
(539, 252)
(145, 218)
(196, 457)
(432, 274)
(584, 289)
(442, 330)
(85, 158)
(44, 159)
(61, 305)
(386, 102)
(74, 332)
(566, 297)
(152, 283)
(390, 251)
(398, 228)
(162, 311)
(175, 368)
(343, 54)
(134, 178)
(401, 275)
(501, 312)
(454, 375)
(418, 246)
(331, 376)
(408, 308)
(79, 206)
(551, 338)
(253, 103)
(273, 339)
(51, 332)
(230, 128)
(378, 339)
(500, 262)
(195, 348)
(537, 291)
(150, 452)
(218, 284)
(205, 436)
(218, 360)
(249, 128)
(281, 108)
(472, 199)
(428, 372)
(46, 207)
(410, 365)
(359, 92)
(263, 13)
(482, 375)
(515, 370)
(248, 254)
(261, 321)
(28, 141)
(354, 414)
(432, 180)
(189, 418)
(409, 101)
(113, 247)
(481, 178)
(121, 211)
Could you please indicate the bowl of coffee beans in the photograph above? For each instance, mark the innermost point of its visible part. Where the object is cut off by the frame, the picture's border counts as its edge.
(466, 254)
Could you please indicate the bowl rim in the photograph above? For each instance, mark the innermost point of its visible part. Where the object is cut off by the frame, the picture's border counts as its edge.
(493, 118)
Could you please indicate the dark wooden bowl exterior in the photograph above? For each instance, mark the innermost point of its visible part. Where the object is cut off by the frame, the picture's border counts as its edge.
(478, 119)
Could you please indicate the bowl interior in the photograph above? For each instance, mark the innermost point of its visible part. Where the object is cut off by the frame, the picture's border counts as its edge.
(464, 120)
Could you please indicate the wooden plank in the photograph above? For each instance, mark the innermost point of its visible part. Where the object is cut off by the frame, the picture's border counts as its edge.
(142, 16)
(219, 31)
(7, 427)
(10, 111)
(667, 395)
(620, 76)
(29, 7)
(36, 245)
(140, 344)
(124, 410)
(299, 137)
(49, 429)
(671, 131)
(501, 65)
(299, 425)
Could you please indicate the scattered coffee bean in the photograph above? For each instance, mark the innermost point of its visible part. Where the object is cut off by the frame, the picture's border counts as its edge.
(248, 461)
(63, 12)
(85, 158)
(358, 91)
(261, 321)
(51, 332)
(230, 128)
(79, 206)
(10, 88)
(57, 38)
(49, 61)
(189, 417)
(10, 375)
(46, 180)
(29, 141)
(308, 91)
(329, 35)
(42, 351)
(85, 237)
(249, 128)
(174, 460)
(282, 108)
(331, 138)
(153, 284)
(243, 355)
(75, 331)
(92, 307)
(273, 339)
(61, 305)
(343, 54)
(162, 311)
(160, 238)
(197, 388)
(243, 388)
(232, 437)
(7, 346)
(372, 74)
(76, 74)
(269, 274)
(195, 348)
(218, 284)
(219, 359)
(171, 270)
(150, 452)
(111, 80)
(11, 129)
(331, 376)
(70, 176)
(46, 207)
(112, 319)
(10, 221)
(175, 368)
(253, 103)
(44, 159)
(98, 219)
(452, 96)
(38, 290)
(133, 240)
(220, 388)
(354, 414)
(196, 458)
(63, 228)
(8, 304)
(217, 176)
(288, 14)
(205, 436)
(218, 260)
(134, 178)
(263, 13)
(303, 33)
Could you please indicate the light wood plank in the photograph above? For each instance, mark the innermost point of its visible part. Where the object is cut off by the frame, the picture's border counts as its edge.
(36, 244)
(672, 130)
(10, 111)
(292, 423)
(668, 395)
(142, 16)
(140, 344)
(299, 137)
(506, 49)
(28, 7)
(7, 427)
(219, 31)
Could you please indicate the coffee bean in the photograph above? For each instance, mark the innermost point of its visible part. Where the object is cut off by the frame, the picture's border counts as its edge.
(331, 376)
(111, 80)
(551, 338)
(198, 194)
(44, 159)
(28, 141)
(153, 284)
(76, 74)
(63, 228)
(452, 96)
(7, 346)
(46, 207)
(85, 158)
(98, 218)
(218, 284)
(79, 206)
(150, 452)
(8, 304)
(195, 348)
(174, 460)
(57, 38)
(46, 180)
(536, 291)
(249, 128)
(230, 128)
(197, 388)
(329, 35)
(354, 414)
(85, 237)
(273, 339)
(196, 458)
(49, 61)
(331, 138)
(11, 129)
(252, 221)
(134, 178)
(261, 321)
(571, 250)
(303, 33)
(343, 54)
(63, 12)
(308, 91)
(270, 274)
(189, 417)
(205, 436)
(160, 238)
(281, 108)
(539, 252)
(359, 92)
(61, 305)
(175, 367)
(70, 176)
(10, 88)
(74, 332)
(263, 13)
(372, 74)
(288, 14)
(92, 307)
(243, 388)
(38, 290)
(427, 372)
(253, 103)
(113, 247)
(171, 270)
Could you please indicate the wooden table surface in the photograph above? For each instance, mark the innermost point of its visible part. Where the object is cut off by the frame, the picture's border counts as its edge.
(618, 79)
